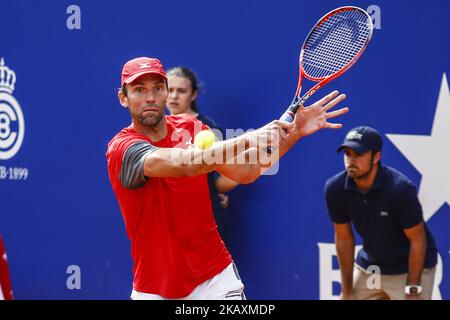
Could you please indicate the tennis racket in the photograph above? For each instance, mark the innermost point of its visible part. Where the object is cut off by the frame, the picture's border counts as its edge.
(334, 44)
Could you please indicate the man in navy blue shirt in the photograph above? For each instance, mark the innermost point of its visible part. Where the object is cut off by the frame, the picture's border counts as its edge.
(384, 208)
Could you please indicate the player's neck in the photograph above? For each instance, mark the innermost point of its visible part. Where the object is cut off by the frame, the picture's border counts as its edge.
(366, 182)
(191, 112)
(155, 133)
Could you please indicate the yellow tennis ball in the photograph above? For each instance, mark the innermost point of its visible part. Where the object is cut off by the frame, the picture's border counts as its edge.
(204, 139)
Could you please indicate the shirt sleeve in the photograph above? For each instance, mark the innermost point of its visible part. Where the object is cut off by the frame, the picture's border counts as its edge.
(132, 169)
(408, 208)
(336, 210)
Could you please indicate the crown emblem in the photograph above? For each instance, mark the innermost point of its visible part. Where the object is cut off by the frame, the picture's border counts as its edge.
(7, 78)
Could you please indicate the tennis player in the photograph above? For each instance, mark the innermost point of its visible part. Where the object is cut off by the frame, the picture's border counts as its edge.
(160, 182)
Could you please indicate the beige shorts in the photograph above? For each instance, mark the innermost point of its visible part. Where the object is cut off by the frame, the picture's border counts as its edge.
(392, 287)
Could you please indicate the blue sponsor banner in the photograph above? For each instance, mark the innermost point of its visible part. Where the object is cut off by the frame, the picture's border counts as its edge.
(60, 71)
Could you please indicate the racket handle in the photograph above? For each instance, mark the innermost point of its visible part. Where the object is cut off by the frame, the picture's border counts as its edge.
(288, 116)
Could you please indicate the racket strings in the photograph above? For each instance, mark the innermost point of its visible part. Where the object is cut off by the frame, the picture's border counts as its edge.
(333, 33)
(335, 43)
(332, 49)
(331, 55)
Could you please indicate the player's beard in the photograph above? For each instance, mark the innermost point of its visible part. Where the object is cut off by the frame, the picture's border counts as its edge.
(147, 120)
(355, 174)
(150, 121)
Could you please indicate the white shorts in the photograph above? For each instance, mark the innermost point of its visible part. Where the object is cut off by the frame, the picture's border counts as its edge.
(226, 285)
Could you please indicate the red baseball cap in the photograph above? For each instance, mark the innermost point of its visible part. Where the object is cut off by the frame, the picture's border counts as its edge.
(137, 67)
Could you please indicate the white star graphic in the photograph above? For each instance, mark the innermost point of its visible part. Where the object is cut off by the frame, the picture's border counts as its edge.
(430, 155)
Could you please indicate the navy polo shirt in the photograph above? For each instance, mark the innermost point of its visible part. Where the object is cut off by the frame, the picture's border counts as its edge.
(379, 216)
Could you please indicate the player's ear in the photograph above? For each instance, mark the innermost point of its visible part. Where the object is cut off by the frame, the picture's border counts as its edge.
(194, 96)
(123, 99)
(376, 157)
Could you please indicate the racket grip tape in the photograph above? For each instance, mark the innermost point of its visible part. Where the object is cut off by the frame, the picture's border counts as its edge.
(288, 116)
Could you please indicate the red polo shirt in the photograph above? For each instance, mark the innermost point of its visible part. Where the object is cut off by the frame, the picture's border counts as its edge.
(175, 244)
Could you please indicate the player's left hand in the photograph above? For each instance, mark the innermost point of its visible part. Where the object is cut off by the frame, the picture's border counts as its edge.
(315, 117)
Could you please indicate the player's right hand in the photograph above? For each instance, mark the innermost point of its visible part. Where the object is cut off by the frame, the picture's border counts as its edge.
(272, 134)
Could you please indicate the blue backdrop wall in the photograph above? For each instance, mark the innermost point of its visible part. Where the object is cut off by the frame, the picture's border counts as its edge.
(57, 208)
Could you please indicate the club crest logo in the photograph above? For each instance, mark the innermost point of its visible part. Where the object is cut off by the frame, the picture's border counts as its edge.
(12, 124)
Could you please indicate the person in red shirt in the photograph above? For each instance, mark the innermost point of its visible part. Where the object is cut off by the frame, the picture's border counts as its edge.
(160, 181)
(6, 292)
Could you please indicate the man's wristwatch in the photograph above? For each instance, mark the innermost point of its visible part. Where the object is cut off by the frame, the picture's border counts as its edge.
(413, 290)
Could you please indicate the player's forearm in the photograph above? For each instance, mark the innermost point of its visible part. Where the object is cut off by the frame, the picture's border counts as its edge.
(345, 249)
(287, 144)
(252, 163)
(284, 146)
(177, 162)
(225, 184)
(416, 260)
(241, 159)
(244, 168)
(241, 174)
(230, 157)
